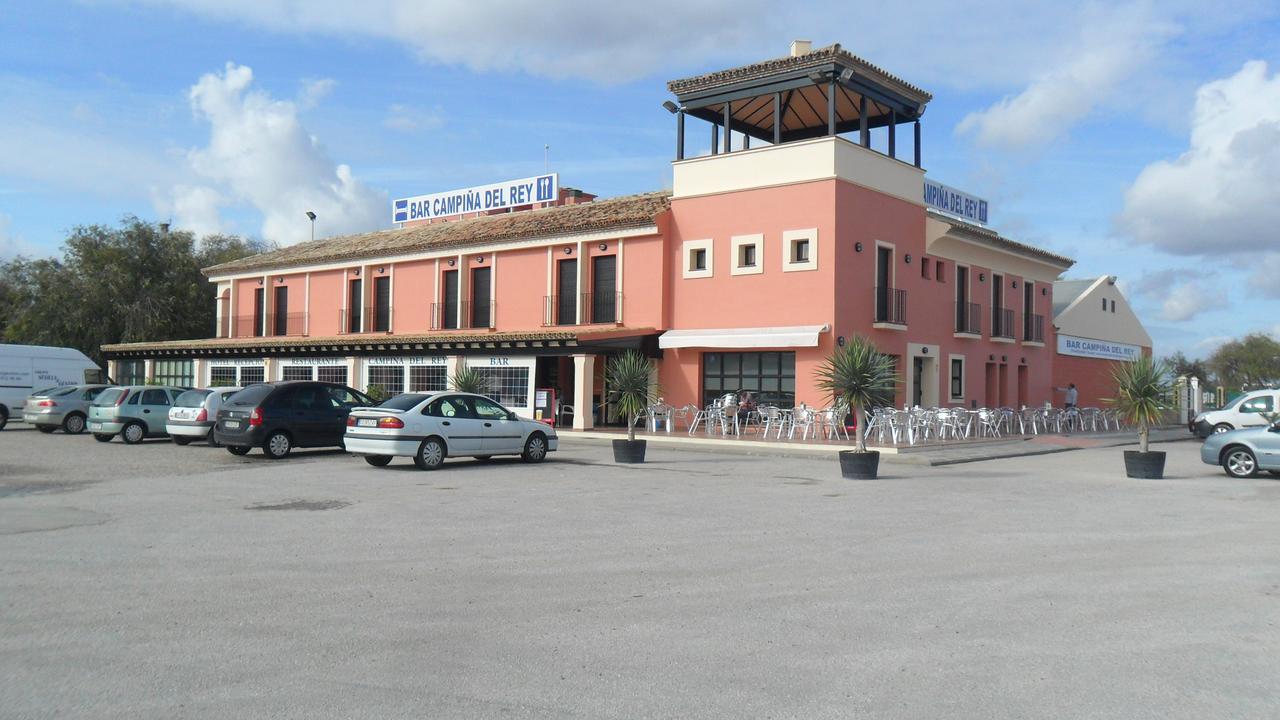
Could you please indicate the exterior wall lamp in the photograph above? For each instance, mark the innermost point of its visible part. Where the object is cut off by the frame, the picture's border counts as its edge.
(982, 277)
(452, 262)
(1015, 284)
(568, 251)
(604, 246)
(908, 258)
(857, 247)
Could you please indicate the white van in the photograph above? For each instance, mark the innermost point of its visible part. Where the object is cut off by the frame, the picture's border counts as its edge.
(1252, 409)
(27, 368)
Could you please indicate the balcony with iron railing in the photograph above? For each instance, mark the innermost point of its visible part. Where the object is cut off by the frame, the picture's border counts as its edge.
(268, 325)
(968, 319)
(364, 320)
(1002, 327)
(465, 315)
(1033, 329)
(891, 308)
(597, 308)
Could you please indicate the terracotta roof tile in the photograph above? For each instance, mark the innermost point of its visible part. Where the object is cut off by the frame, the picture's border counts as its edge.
(821, 56)
(618, 213)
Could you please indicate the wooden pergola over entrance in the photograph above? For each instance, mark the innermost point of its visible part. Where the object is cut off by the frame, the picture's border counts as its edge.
(809, 94)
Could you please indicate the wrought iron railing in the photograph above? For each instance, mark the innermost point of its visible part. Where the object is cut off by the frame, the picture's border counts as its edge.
(1002, 323)
(280, 324)
(891, 306)
(969, 318)
(1033, 330)
(602, 307)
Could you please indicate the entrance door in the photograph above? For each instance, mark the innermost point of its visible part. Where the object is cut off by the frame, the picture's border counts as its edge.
(450, 319)
(281, 311)
(382, 304)
(917, 381)
(480, 315)
(567, 293)
(1022, 386)
(604, 297)
(884, 266)
(355, 306)
(259, 312)
(1004, 385)
(991, 396)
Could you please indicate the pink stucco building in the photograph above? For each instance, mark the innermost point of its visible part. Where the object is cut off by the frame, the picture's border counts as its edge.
(799, 225)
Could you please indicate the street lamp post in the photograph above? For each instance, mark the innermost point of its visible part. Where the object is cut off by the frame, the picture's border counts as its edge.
(312, 217)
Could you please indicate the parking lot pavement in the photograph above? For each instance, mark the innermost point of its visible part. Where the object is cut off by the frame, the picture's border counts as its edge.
(159, 581)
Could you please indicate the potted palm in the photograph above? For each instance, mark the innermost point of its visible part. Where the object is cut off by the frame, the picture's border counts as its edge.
(1142, 395)
(630, 389)
(861, 376)
(469, 380)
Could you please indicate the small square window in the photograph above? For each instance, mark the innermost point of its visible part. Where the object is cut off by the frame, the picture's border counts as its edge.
(924, 268)
(800, 250)
(939, 271)
(698, 258)
(1113, 306)
(747, 256)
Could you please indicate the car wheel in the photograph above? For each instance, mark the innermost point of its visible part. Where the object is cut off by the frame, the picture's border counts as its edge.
(378, 460)
(213, 442)
(73, 424)
(4, 416)
(46, 429)
(180, 439)
(133, 433)
(431, 454)
(238, 450)
(1239, 462)
(535, 448)
(277, 445)
(1222, 427)
(102, 438)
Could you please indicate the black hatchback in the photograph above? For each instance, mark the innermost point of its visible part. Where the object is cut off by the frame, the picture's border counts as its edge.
(280, 416)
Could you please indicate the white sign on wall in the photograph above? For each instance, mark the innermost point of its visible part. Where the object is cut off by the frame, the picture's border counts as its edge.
(405, 360)
(1086, 347)
(481, 198)
(953, 202)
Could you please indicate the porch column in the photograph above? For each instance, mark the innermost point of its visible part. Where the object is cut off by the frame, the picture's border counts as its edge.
(198, 378)
(113, 367)
(270, 366)
(584, 376)
(452, 364)
(149, 370)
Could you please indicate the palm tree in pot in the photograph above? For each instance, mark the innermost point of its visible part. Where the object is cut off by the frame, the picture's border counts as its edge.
(469, 380)
(861, 376)
(1143, 391)
(629, 379)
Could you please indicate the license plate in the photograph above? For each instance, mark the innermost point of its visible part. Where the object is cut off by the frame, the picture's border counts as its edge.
(367, 422)
(231, 424)
(95, 426)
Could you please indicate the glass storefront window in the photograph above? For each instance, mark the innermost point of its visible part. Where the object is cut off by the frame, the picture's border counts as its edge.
(769, 376)
(179, 373)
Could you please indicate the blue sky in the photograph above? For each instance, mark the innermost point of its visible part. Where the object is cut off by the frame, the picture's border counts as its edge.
(1142, 139)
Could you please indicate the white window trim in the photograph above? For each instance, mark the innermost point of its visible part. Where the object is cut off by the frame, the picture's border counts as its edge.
(687, 255)
(789, 237)
(964, 379)
(737, 242)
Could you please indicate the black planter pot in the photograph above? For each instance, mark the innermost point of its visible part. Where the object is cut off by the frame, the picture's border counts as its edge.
(1144, 465)
(629, 451)
(859, 466)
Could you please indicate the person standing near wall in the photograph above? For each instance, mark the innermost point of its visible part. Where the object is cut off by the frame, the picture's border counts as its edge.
(1073, 395)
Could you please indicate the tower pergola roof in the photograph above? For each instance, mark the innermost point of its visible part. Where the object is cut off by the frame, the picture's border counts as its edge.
(805, 82)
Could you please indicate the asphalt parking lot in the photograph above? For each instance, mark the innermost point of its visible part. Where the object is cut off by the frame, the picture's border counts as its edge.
(161, 581)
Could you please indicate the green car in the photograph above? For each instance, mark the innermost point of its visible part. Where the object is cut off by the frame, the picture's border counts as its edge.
(134, 412)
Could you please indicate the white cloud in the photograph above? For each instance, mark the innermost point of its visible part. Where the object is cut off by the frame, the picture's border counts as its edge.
(411, 119)
(313, 91)
(1220, 195)
(13, 244)
(260, 153)
(1265, 277)
(1112, 46)
(1187, 300)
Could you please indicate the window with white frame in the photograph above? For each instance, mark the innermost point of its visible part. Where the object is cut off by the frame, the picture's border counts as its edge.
(332, 374)
(222, 376)
(747, 250)
(296, 372)
(389, 377)
(250, 374)
(957, 378)
(800, 250)
(697, 258)
(428, 378)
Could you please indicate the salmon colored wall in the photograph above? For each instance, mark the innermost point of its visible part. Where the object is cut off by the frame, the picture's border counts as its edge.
(642, 290)
(326, 302)
(773, 297)
(412, 292)
(1092, 377)
(520, 283)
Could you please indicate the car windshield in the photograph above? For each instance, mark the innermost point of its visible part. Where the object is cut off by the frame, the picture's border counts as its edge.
(404, 402)
(1234, 403)
(192, 398)
(109, 396)
(250, 396)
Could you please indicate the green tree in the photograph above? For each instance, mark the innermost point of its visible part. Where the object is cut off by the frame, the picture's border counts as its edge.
(1252, 361)
(1182, 366)
(129, 283)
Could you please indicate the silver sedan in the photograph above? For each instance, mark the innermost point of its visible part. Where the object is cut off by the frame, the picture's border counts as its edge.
(1242, 453)
(431, 427)
(65, 407)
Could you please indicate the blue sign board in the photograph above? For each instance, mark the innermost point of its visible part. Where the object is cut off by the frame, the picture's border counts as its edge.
(482, 198)
(953, 202)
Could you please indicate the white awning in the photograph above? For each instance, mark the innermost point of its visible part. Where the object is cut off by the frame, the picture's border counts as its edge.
(757, 337)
